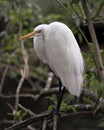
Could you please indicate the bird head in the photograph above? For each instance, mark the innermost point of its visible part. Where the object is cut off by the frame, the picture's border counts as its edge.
(30, 35)
(37, 30)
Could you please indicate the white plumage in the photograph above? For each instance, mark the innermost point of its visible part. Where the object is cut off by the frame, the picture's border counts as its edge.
(56, 45)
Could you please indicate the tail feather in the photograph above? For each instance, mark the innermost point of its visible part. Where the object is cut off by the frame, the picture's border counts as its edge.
(74, 85)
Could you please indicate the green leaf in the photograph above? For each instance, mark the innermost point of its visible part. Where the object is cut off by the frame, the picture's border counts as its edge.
(51, 107)
(101, 124)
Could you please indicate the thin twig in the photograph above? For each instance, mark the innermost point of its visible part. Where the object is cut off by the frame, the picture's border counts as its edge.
(44, 125)
(93, 96)
(49, 81)
(47, 87)
(27, 110)
(25, 70)
(5, 121)
(41, 116)
(30, 127)
(24, 74)
(77, 14)
(99, 10)
(55, 122)
(60, 3)
(3, 78)
(18, 92)
(29, 121)
(98, 104)
(9, 66)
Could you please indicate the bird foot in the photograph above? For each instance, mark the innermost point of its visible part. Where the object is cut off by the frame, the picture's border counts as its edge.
(53, 112)
(56, 112)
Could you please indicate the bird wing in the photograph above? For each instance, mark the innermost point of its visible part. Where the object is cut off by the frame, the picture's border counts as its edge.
(65, 59)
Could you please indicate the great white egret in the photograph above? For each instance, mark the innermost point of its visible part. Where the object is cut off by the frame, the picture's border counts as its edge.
(56, 45)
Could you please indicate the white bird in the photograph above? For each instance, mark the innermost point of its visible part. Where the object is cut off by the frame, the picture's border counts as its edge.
(56, 45)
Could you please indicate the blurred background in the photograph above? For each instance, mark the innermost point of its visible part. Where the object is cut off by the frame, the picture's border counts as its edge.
(23, 76)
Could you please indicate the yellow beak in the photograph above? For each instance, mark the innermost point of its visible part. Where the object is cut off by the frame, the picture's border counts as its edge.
(29, 35)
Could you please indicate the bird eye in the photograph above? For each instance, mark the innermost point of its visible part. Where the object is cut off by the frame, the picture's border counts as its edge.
(38, 31)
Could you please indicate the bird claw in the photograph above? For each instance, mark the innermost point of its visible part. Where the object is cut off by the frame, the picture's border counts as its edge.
(53, 112)
(56, 112)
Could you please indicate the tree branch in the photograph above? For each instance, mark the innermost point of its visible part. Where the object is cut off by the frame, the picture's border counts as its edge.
(98, 58)
(24, 74)
(3, 78)
(99, 10)
(81, 110)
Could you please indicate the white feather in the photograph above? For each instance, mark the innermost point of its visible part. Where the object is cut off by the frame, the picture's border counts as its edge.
(57, 46)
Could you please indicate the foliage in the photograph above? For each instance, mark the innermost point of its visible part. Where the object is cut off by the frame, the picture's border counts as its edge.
(17, 16)
(64, 105)
(21, 16)
(101, 121)
(16, 23)
(19, 115)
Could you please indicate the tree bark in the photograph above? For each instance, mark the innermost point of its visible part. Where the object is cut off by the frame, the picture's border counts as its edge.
(97, 55)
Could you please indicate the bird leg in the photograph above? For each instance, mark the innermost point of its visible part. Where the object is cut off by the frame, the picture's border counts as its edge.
(60, 96)
(61, 93)
(73, 101)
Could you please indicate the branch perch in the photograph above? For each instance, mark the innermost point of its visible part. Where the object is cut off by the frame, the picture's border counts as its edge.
(82, 110)
(24, 74)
